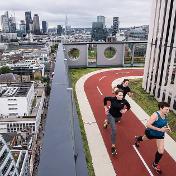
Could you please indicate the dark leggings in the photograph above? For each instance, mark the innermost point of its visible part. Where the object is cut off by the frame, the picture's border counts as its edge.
(112, 121)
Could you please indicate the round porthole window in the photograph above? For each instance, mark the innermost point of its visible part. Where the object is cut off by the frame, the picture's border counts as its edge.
(109, 52)
(73, 53)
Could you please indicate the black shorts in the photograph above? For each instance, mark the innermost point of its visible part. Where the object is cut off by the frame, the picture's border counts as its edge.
(149, 136)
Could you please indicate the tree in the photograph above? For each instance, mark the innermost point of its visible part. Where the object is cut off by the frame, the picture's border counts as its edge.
(54, 48)
(45, 79)
(5, 69)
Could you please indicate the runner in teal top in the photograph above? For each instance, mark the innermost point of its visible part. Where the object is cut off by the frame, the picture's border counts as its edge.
(161, 122)
(156, 127)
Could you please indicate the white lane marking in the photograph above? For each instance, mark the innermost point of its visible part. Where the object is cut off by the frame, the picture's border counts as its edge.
(99, 91)
(102, 78)
(146, 166)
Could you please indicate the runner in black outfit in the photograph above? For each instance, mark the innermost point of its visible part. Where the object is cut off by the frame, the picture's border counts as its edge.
(124, 86)
(117, 108)
(126, 91)
(156, 127)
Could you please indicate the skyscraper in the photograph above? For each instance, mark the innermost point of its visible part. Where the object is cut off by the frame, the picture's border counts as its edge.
(5, 22)
(98, 32)
(31, 26)
(12, 25)
(44, 27)
(59, 30)
(36, 24)
(22, 27)
(115, 26)
(28, 20)
(67, 27)
(160, 63)
(101, 19)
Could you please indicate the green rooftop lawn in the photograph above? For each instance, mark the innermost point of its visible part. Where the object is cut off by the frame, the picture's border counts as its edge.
(75, 75)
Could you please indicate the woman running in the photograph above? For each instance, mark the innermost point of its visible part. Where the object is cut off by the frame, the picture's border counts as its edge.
(118, 107)
(157, 125)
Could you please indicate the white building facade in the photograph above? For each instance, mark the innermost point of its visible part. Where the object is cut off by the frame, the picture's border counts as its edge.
(7, 163)
(32, 122)
(16, 100)
(160, 65)
(20, 125)
(23, 162)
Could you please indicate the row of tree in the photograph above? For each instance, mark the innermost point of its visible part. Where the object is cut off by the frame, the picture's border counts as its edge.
(5, 69)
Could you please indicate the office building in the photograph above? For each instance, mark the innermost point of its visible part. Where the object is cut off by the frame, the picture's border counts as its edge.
(44, 27)
(160, 65)
(14, 162)
(98, 32)
(115, 26)
(7, 163)
(12, 25)
(36, 24)
(12, 122)
(22, 27)
(59, 30)
(28, 20)
(101, 19)
(5, 22)
(16, 99)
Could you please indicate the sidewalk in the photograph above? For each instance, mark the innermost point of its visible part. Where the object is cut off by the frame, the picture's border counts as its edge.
(100, 157)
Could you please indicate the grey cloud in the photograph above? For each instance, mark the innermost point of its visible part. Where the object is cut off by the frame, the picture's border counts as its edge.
(131, 12)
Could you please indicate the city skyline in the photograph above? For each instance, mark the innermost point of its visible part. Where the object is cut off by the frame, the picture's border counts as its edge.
(81, 14)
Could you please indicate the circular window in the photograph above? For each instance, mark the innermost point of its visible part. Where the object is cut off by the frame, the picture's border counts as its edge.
(73, 53)
(109, 52)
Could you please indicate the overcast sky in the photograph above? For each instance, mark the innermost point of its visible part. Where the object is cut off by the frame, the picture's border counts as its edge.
(81, 13)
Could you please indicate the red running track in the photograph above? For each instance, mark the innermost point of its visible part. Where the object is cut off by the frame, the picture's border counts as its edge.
(126, 162)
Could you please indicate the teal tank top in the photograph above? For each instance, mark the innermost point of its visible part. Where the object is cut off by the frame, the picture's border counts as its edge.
(159, 124)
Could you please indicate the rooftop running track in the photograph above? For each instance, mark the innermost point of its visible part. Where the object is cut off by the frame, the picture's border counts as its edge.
(130, 161)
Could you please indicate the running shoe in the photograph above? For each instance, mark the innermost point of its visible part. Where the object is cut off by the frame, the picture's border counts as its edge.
(136, 141)
(113, 151)
(105, 124)
(157, 168)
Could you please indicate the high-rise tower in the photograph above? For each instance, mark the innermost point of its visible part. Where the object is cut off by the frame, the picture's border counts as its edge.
(160, 63)
(5, 22)
(44, 27)
(28, 20)
(36, 24)
(115, 26)
(101, 19)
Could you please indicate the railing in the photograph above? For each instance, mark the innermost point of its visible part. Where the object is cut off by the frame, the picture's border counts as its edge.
(99, 54)
(62, 150)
